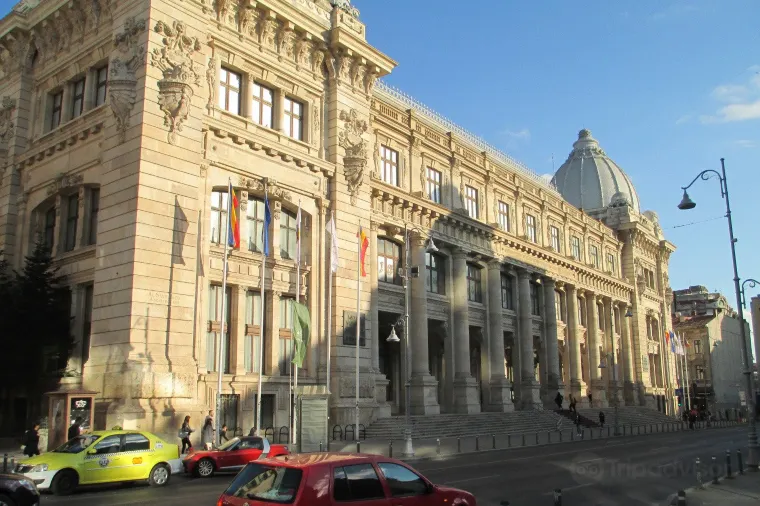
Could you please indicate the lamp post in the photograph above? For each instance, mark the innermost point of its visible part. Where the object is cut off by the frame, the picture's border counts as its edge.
(407, 272)
(687, 203)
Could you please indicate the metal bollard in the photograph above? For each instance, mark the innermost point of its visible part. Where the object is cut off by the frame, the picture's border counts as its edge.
(715, 471)
(523, 439)
(437, 446)
(681, 498)
(459, 445)
(590, 433)
(560, 436)
(13, 465)
(638, 430)
(390, 449)
(536, 438)
(729, 474)
(608, 430)
(358, 447)
(572, 435)
(557, 497)
(493, 437)
(509, 440)
(320, 447)
(739, 462)
(698, 469)
(549, 436)
(477, 443)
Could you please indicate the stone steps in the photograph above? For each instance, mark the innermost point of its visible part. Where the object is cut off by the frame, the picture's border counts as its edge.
(628, 415)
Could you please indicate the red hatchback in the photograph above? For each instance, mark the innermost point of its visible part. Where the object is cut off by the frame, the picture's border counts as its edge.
(330, 479)
(231, 456)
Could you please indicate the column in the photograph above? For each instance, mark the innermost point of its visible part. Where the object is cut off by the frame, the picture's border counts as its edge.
(611, 346)
(629, 390)
(574, 344)
(553, 379)
(529, 388)
(423, 385)
(272, 333)
(465, 386)
(598, 391)
(499, 398)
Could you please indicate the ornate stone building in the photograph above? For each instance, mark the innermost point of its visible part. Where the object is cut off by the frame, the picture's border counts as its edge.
(122, 123)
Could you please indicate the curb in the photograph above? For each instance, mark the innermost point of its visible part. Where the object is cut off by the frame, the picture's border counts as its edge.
(672, 499)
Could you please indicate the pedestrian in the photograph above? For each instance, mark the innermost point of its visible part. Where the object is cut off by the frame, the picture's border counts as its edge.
(572, 404)
(578, 424)
(558, 399)
(252, 432)
(590, 400)
(32, 441)
(207, 433)
(184, 435)
(601, 418)
(223, 436)
(692, 419)
(76, 428)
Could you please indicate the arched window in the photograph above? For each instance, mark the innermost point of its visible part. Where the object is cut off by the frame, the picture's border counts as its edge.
(288, 234)
(388, 261)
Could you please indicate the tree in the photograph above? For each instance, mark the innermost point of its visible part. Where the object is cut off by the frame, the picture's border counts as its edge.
(35, 308)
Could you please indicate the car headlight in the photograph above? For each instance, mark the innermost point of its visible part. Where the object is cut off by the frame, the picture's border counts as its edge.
(39, 468)
(29, 485)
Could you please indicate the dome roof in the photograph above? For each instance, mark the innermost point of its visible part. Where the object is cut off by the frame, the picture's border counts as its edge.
(589, 179)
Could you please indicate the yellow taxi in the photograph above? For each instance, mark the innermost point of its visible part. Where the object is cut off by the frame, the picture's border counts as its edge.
(109, 456)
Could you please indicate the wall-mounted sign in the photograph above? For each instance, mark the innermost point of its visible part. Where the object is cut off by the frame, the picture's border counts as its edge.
(80, 408)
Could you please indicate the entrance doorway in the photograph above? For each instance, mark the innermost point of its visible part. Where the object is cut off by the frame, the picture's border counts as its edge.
(228, 412)
(267, 410)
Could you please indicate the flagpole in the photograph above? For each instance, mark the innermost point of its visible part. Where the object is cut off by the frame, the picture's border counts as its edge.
(265, 237)
(220, 346)
(298, 300)
(686, 366)
(358, 320)
(329, 301)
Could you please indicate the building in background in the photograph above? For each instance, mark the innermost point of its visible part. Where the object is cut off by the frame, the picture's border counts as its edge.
(711, 330)
(123, 122)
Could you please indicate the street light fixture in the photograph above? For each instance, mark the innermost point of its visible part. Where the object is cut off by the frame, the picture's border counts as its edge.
(752, 284)
(407, 272)
(687, 203)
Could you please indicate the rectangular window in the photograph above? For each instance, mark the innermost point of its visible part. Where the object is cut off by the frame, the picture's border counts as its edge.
(389, 165)
(55, 112)
(697, 346)
(506, 292)
(252, 342)
(72, 217)
(700, 372)
(255, 217)
(293, 126)
(558, 306)
(554, 236)
(434, 185)
(229, 91)
(594, 255)
(474, 288)
(530, 227)
(92, 226)
(215, 328)
(87, 321)
(471, 201)
(388, 261)
(286, 333)
(49, 234)
(77, 99)
(101, 85)
(611, 263)
(218, 217)
(504, 216)
(535, 301)
(288, 234)
(262, 105)
(575, 245)
(436, 273)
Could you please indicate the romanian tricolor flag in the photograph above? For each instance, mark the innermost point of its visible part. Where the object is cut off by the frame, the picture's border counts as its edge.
(363, 245)
(233, 226)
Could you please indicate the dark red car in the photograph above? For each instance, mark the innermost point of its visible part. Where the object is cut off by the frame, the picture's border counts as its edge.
(231, 456)
(331, 479)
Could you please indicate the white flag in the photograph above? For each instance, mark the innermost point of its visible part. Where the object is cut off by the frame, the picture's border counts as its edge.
(333, 244)
(679, 346)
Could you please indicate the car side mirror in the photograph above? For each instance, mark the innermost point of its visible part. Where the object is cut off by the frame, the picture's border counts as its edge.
(430, 488)
(92, 452)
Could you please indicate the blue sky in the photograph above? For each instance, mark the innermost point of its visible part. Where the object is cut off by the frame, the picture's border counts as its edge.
(667, 87)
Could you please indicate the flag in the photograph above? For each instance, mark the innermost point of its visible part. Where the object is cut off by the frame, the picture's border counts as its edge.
(233, 224)
(672, 344)
(301, 330)
(667, 338)
(267, 221)
(363, 245)
(333, 244)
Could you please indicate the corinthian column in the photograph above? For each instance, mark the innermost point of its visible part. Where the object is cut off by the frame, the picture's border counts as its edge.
(610, 346)
(598, 391)
(423, 385)
(530, 397)
(574, 344)
(554, 382)
(499, 386)
(465, 386)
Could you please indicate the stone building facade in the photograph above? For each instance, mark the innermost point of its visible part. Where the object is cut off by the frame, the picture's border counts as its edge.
(122, 124)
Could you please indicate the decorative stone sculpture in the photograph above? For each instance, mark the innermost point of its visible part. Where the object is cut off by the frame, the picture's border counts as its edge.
(122, 86)
(355, 159)
(6, 119)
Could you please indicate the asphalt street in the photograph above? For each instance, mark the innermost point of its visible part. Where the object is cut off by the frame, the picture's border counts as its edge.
(641, 470)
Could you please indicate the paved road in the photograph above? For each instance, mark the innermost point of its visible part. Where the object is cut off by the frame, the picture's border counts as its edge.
(622, 471)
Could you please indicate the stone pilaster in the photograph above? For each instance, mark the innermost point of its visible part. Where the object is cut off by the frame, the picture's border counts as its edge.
(610, 346)
(499, 398)
(629, 390)
(373, 309)
(574, 345)
(598, 391)
(529, 388)
(465, 386)
(553, 379)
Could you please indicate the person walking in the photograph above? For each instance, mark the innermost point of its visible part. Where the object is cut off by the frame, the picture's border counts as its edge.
(578, 424)
(184, 434)
(32, 441)
(572, 404)
(223, 436)
(207, 433)
(601, 418)
(558, 400)
(76, 428)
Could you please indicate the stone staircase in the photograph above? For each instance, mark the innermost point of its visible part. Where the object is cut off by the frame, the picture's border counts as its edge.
(570, 416)
(627, 415)
(460, 425)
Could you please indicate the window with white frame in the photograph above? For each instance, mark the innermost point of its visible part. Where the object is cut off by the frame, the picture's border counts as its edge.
(214, 329)
(474, 283)
(56, 102)
(436, 273)
(593, 253)
(698, 346)
(506, 291)
(575, 247)
(288, 235)
(293, 124)
(554, 236)
(72, 218)
(263, 105)
(286, 334)
(101, 85)
(611, 264)
(218, 217)
(434, 185)
(471, 201)
(252, 338)
(255, 221)
(388, 165)
(503, 217)
(77, 98)
(530, 227)
(229, 90)
(388, 261)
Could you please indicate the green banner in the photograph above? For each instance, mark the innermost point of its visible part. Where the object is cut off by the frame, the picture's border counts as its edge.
(301, 331)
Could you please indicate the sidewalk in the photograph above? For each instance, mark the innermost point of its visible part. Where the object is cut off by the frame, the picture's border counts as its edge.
(739, 491)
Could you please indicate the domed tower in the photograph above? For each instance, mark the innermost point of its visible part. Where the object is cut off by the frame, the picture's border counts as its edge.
(590, 180)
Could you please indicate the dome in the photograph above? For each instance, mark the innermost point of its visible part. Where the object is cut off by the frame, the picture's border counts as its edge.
(589, 179)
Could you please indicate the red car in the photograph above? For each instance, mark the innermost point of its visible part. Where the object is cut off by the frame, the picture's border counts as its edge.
(231, 456)
(331, 479)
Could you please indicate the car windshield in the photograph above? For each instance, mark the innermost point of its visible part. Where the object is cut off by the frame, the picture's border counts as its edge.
(266, 483)
(230, 444)
(77, 444)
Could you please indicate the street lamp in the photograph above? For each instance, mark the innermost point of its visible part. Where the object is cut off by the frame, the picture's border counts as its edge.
(407, 272)
(687, 203)
(752, 284)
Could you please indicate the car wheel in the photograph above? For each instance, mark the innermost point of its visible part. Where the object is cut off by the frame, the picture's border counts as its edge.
(205, 468)
(159, 475)
(65, 482)
(6, 501)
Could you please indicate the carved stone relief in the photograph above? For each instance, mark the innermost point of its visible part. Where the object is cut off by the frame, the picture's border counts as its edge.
(122, 85)
(249, 20)
(315, 119)
(355, 158)
(211, 81)
(180, 74)
(64, 181)
(7, 107)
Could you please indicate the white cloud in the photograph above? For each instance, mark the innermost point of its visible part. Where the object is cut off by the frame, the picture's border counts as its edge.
(676, 10)
(742, 100)
(745, 143)
(684, 119)
(735, 112)
(519, 135)
(731, 93)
